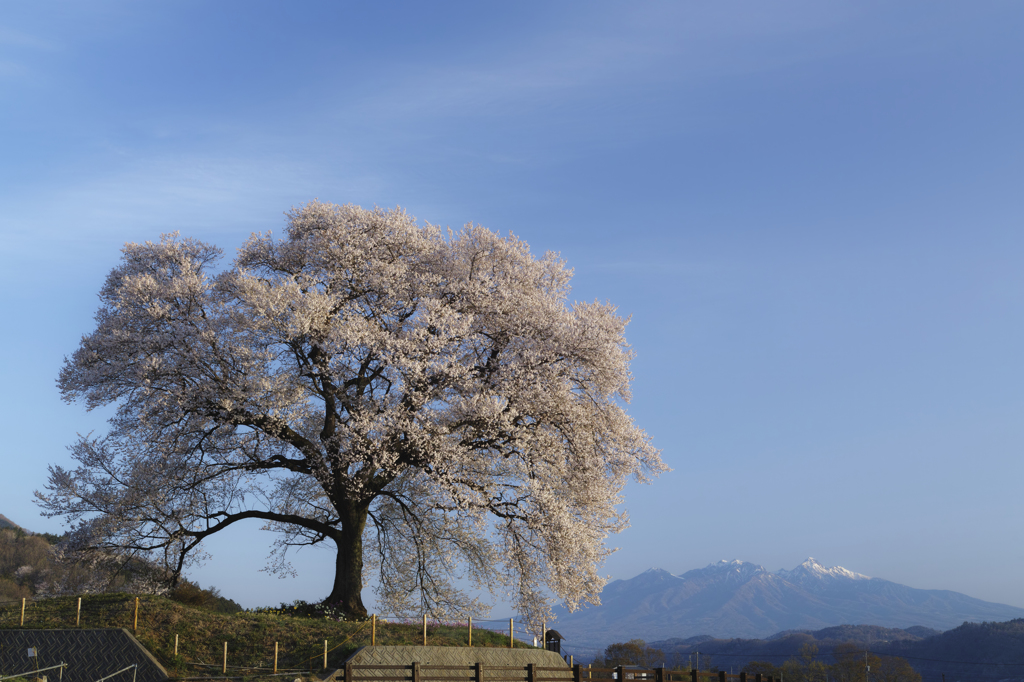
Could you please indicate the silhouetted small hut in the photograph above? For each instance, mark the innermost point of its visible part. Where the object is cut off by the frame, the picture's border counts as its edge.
(553, 641)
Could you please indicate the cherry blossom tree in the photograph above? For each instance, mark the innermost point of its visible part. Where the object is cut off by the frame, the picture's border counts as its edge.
(424, 400)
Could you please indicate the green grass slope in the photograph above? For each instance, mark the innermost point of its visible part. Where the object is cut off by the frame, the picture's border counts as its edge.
(250, 636)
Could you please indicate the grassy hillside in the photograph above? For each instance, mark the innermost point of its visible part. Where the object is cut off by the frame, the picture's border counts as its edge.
(250, 636)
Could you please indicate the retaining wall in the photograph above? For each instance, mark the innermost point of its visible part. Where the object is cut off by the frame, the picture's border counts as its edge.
(90, 654)
(453, 656)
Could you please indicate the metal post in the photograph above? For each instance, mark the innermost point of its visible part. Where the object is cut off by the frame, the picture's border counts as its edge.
(471, 635)
(135, 672)
(373, 632)
(78, 616)
(224, 670)
(424, 629)
(544, 635)
(275, 658)
(136, 626)
(22, 612)
(325, 654)
(511, 635)
(175, 645)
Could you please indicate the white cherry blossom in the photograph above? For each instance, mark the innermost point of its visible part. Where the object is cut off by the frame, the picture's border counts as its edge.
(424, 399)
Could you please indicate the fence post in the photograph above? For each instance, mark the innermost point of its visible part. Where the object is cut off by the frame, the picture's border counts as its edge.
(415, 669)
(22, 612)
(349, 675)
(721, 676)
(577, 676)
(743, 676)
(757, 677)
(275, 658)
(471, 634)
(224, 670)
(659, 674)
(78, 615)
(424, 629)
(619, 674)
(373, 631)
(693, 676)
(543, 635)
(511, 635)
(531, 673)
(478, 673)
(135, 627)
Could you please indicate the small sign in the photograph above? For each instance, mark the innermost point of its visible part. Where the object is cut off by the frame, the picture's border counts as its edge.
(31, 652)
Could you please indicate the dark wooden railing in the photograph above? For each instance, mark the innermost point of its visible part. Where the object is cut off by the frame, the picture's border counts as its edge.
(479, 672)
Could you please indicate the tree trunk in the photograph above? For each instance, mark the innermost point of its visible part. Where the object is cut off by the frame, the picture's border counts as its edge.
(348, 571)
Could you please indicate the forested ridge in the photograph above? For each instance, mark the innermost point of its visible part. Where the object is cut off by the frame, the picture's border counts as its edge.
(33, 565)
(972, 651)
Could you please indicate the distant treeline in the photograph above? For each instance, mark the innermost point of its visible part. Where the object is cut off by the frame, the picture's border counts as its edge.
(846, 662)
(973, 652)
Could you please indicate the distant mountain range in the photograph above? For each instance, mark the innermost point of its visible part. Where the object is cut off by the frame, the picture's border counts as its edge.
(739, 599)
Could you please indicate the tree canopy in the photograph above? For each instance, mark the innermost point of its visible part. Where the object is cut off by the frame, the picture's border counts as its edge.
(424, 399)
(633, 652)
(850, 665)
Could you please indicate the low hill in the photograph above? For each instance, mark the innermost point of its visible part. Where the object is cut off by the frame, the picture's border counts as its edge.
(736, 653)
(250, 636)
(972, 652)
(7, 523)
(31, 565)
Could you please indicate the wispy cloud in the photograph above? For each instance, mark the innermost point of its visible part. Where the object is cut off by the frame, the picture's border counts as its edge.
(641, 45)
(218, 198)
(18, 39)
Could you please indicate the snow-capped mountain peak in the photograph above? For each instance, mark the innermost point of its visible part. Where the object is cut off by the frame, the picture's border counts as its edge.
(734, 566)
(741, 599)
(730, 571)
(811, 568)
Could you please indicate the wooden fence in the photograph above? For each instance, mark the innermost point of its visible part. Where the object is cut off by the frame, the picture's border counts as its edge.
(455, 673)
(530, 673)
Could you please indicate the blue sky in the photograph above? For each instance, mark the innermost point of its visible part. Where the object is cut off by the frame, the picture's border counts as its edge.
(812, 212)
